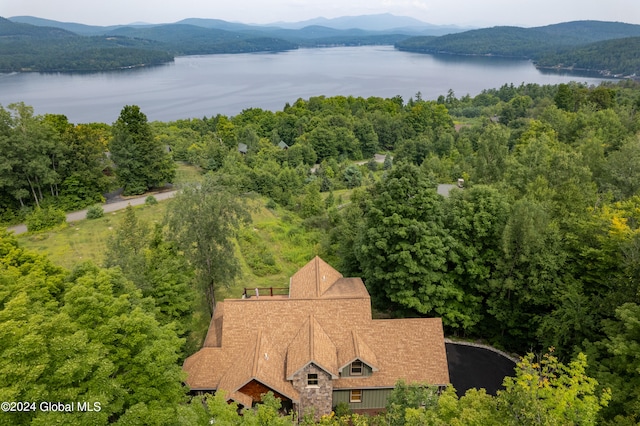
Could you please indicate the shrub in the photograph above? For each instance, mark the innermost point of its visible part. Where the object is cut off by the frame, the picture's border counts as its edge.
(271, 204)
(257, 254)
(95, 212)
(388, 162)
(150, 200)
(41, 219)
(342, 409)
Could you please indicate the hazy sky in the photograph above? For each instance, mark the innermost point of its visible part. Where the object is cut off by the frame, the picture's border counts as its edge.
(441, 12)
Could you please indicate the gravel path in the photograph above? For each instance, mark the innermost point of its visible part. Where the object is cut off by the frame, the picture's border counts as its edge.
(108, 208)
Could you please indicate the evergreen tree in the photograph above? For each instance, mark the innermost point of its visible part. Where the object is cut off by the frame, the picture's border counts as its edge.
(140, 159)
(388, 162)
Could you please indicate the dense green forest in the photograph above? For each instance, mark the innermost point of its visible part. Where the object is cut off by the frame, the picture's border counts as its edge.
(539, 250)
(617, 57)
(29, 48)
(610, 47)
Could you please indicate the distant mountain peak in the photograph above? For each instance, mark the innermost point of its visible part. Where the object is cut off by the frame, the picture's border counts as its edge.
(377, 22)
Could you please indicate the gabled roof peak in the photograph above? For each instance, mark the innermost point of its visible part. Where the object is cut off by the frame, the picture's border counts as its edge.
(260, 361)
(312, 345)
(313, 280)
(358, 350)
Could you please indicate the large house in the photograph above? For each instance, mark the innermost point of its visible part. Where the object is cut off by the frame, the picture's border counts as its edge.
(315, 347)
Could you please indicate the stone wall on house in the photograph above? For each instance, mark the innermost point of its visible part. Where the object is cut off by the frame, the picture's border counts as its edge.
(314, 398)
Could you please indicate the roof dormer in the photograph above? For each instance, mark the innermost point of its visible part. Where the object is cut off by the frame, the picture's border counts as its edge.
(357, 359)
(312, 345)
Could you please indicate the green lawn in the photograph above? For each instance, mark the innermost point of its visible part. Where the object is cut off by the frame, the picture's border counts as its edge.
(186, 173)
(85, 239)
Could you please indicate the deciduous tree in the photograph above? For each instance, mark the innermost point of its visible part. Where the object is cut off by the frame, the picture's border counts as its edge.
(203, 221)
(82, 336)
(403, 248)
(548, 392)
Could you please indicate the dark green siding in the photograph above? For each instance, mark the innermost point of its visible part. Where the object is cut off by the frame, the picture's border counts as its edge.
(366, 371)
(371, 398)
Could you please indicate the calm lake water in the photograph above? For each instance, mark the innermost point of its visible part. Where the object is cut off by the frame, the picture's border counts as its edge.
(197, 86)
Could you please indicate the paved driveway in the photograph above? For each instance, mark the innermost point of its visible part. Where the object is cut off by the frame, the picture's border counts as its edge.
(108, 208)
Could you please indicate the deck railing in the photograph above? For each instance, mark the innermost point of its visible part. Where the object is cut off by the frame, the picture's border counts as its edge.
(264, 291)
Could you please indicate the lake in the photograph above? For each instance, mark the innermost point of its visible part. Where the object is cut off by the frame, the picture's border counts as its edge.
(198, 86)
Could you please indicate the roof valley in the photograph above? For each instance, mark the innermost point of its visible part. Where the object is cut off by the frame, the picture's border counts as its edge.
(355, 343)
(256, 355)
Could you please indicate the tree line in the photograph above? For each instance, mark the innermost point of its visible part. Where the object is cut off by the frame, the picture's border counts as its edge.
(25, 47)
(48, 162)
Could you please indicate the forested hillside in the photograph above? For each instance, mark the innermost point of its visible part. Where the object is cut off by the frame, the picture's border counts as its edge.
(26, 47)
(182, 39)
(609, 47)
(512, 42)
(539, 250)
(617, 57)
(591, 31)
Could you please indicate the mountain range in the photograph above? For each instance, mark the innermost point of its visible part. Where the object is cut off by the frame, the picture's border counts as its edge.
(386, 23)
(34, 44)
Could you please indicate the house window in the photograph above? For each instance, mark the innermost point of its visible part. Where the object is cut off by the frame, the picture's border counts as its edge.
(356, 368)
(312, 380)
(355, 395)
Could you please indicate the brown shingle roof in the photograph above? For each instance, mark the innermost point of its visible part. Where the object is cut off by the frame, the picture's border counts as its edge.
(241, 398)
(205, 368)
(357, 350)
(214, 335)
(409, 349)
(347, 287)
(312, 280)
(260, 361)
(327, 321)
(312, 345)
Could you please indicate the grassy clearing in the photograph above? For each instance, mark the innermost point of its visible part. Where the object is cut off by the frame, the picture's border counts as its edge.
(187, 173)
(270, 250)
(85, 239)
(341, 196)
